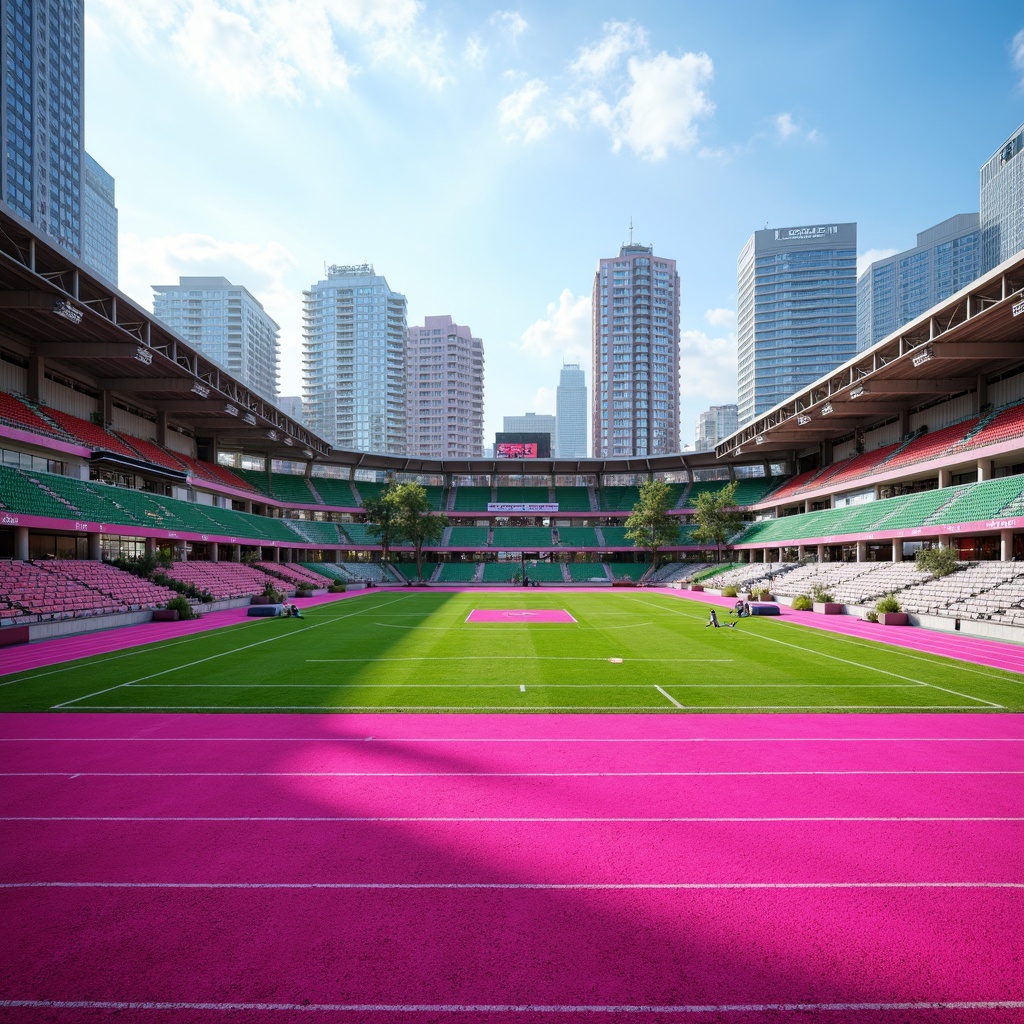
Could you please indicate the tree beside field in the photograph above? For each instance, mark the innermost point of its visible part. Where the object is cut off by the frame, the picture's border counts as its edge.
(650, 526)
(382, 515)
(417, 523)
(718, 518)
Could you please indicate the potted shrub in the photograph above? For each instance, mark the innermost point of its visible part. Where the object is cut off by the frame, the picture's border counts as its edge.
(889, 613)
(338, 587)
(761, 593)
(729, 592)
(697, 588)
(803, 603)
(270, 595)
(175, 609)
(823, 602)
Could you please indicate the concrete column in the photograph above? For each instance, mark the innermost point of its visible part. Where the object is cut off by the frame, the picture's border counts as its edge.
(95, 548)
(862, 551)
(181, 551)
(1005, 545)
(214, 549)
(764, 555)
(801, 552)
(897, 549)
(107, 407)
(161, 428)
(21, 543)
(236, 552)
(807, 504)
(944, 477)
(821, 552)
(337, 556)
(984, 470)
(248, 507)
(277, 555)
(151, 545)
(36, 377)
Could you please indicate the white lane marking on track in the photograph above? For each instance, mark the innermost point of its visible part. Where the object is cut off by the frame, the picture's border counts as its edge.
(513, 885)
(668, 696)
(390, 740)
(512, 820)
(477, 1008)
(222, 654)
(489, 775)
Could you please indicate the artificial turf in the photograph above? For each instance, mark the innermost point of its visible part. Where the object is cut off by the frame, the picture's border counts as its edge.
(398, 651)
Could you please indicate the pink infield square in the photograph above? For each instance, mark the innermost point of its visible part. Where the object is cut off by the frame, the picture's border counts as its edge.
(519, 615)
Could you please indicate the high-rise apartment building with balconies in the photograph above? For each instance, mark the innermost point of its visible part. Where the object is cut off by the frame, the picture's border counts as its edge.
(444, 391)
(1002, 202)
(227, 324)
(635, 354)
(353, 351)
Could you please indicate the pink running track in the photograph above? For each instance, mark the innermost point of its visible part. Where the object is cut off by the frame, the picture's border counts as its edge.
(491, 868)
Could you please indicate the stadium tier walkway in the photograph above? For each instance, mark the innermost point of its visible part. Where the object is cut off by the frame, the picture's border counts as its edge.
(976, 650)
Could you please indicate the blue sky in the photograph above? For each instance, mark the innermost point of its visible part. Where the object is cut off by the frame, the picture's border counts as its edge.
(484, 158)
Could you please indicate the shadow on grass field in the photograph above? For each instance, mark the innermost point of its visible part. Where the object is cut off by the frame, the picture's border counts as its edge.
(624, 652)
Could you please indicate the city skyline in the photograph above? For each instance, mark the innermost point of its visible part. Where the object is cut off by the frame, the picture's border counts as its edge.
(531, 136)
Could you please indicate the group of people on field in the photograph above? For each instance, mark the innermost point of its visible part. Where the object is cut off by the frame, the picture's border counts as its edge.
(741, 609)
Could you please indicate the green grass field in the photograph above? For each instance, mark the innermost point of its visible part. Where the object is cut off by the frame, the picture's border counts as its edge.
(403, 651)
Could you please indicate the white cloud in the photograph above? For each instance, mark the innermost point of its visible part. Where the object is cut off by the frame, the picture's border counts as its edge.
(707, 367)
(1017, 50)
(665, 100)
(279, 48)
(619, 39)
(565, 331)
(519, 115)
(511, 23)
(475, 52)
(865, 259)
(787, 129)
(721, 318)
(650, 104)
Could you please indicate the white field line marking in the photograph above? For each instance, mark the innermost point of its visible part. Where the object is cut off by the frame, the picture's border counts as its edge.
(502, 686)
(392, 740)
(522, 688)
(457, 820)
(912, 654)
(223, 654)
(628, 886)
(483, 775)
(142, 648)
(483, 626)
(478, 1008)
(524, 657)
(668, 696)
(871, 668)
(545, 709)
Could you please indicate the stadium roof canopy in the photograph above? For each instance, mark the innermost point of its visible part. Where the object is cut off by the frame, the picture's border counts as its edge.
(977, 332)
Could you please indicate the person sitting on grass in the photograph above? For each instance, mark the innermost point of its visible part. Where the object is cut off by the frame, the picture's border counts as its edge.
(713, 621)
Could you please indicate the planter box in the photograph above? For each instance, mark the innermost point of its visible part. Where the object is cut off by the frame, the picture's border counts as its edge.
(697, 588)
(165, 615)
(623, 583)
(260, 599)
(894, 618)
(828, 608)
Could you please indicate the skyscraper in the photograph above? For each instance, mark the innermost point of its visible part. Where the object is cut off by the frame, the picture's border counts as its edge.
(796, 311)
(636, 354)
(227, 324)
(571, 413)
(444, 391)
(1002, 202)
(42, 101)
(532, 423)
(893, 291)
(714, 425)
(99, 221)
(353, 345)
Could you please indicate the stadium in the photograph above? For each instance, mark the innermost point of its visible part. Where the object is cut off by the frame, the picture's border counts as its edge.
(472, 800)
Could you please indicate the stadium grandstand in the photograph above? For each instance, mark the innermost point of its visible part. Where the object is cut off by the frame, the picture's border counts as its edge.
(118, 440)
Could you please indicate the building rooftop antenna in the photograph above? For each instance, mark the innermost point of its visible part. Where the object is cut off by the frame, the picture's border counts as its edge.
(630, 230)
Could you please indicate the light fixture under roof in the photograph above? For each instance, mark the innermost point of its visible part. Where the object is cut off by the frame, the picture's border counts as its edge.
(200, 389)
(860, 389)
(65, 309)
(250, 419)
(923, 355)
(272, 434)
(802, 419)
(759, 439)
(143, 355)
(231, 410)
(826, 409)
